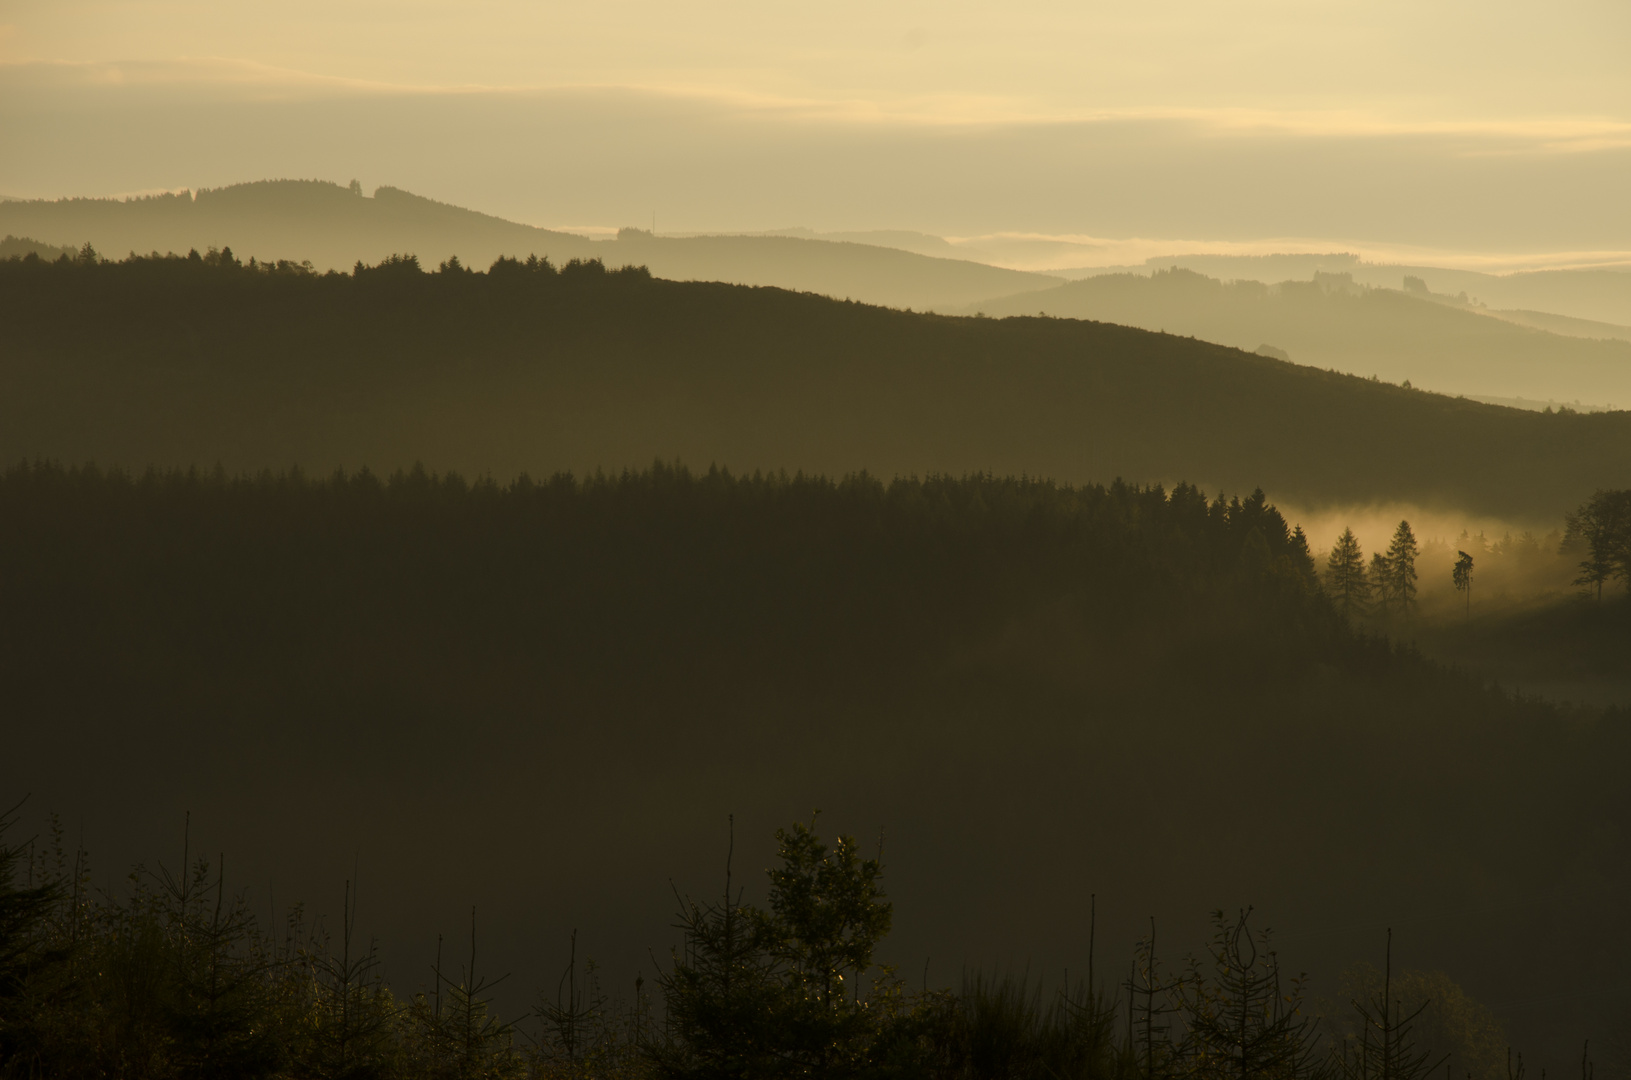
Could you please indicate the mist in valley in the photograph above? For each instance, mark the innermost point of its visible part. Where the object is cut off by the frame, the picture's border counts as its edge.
(700, 542)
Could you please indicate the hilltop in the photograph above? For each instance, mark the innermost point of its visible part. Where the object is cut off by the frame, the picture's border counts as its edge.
(334, 227)
(194, 361)
(1436, 342)
(1589, 294)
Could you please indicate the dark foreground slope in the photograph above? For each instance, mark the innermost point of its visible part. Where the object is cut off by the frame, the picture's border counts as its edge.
(180, 362)
(1330, 322)
(334, 227)
(544, 700)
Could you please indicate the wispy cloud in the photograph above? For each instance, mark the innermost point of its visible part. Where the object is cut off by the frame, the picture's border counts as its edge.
(1479, 136)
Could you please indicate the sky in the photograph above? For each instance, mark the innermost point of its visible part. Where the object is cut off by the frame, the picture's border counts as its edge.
(1457, 131)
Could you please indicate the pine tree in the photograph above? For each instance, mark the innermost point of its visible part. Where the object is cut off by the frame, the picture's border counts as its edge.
(1302, 558)
(1461, 575)
(1401, 565)
(722, 995)
(1239, 1019)
(1385, 1048)
(1345, 574)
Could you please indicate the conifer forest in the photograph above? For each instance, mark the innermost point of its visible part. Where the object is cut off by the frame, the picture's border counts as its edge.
(921, 615)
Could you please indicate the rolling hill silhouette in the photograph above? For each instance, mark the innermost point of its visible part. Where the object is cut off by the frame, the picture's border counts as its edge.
(1591, 294)
(194, 361)
(334, 227)
(1333, 322)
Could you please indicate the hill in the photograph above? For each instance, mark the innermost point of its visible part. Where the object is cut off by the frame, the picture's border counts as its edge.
(543, 699)
(193, 361)
(334, 227)
(1335, 322)
(16, 247)
(1600, 294)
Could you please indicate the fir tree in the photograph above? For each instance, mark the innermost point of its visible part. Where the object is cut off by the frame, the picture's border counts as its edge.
(1345, 574)
(722, 994)
(1401, 566)
(1241, 1022)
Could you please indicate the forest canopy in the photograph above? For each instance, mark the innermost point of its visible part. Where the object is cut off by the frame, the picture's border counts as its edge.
(181, 360)
(544, 696)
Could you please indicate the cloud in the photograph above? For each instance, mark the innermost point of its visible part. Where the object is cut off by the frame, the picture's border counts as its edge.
(1059, 188)
(228, 77)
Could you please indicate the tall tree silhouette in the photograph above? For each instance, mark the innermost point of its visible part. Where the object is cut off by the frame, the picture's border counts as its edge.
(1345, 574)
(1603, 527)
(1461, 575)
(1401, 567)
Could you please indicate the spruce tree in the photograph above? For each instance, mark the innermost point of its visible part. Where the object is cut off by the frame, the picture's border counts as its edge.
(1401, 565)
(722, 994)
(1241, 1020)
(1345, 574)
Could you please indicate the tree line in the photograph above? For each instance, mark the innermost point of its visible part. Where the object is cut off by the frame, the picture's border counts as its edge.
(1007, 661)
(369, 360)
(172, 975)
(1598, 532)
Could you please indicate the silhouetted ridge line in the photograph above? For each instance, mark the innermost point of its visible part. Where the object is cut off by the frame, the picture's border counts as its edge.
(175, 360)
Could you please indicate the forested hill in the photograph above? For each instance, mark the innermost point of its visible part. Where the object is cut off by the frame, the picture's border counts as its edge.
(1595, 294)
(183, 361)
(334, 227)
(330, 225)
(544, 698)
(1332, 322)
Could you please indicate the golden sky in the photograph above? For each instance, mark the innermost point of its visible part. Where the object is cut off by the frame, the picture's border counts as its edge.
(847, 114)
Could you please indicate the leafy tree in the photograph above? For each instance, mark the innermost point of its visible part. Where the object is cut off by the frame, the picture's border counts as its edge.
(827, 915)
(1603, 527)
(1345, 574)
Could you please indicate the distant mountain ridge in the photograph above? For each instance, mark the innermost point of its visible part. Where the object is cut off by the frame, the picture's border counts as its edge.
(1336, 322)
(13, 247)
(335, 227)
(1601, 295)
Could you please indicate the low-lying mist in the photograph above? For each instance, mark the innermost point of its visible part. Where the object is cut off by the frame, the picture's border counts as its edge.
(1524, 622)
